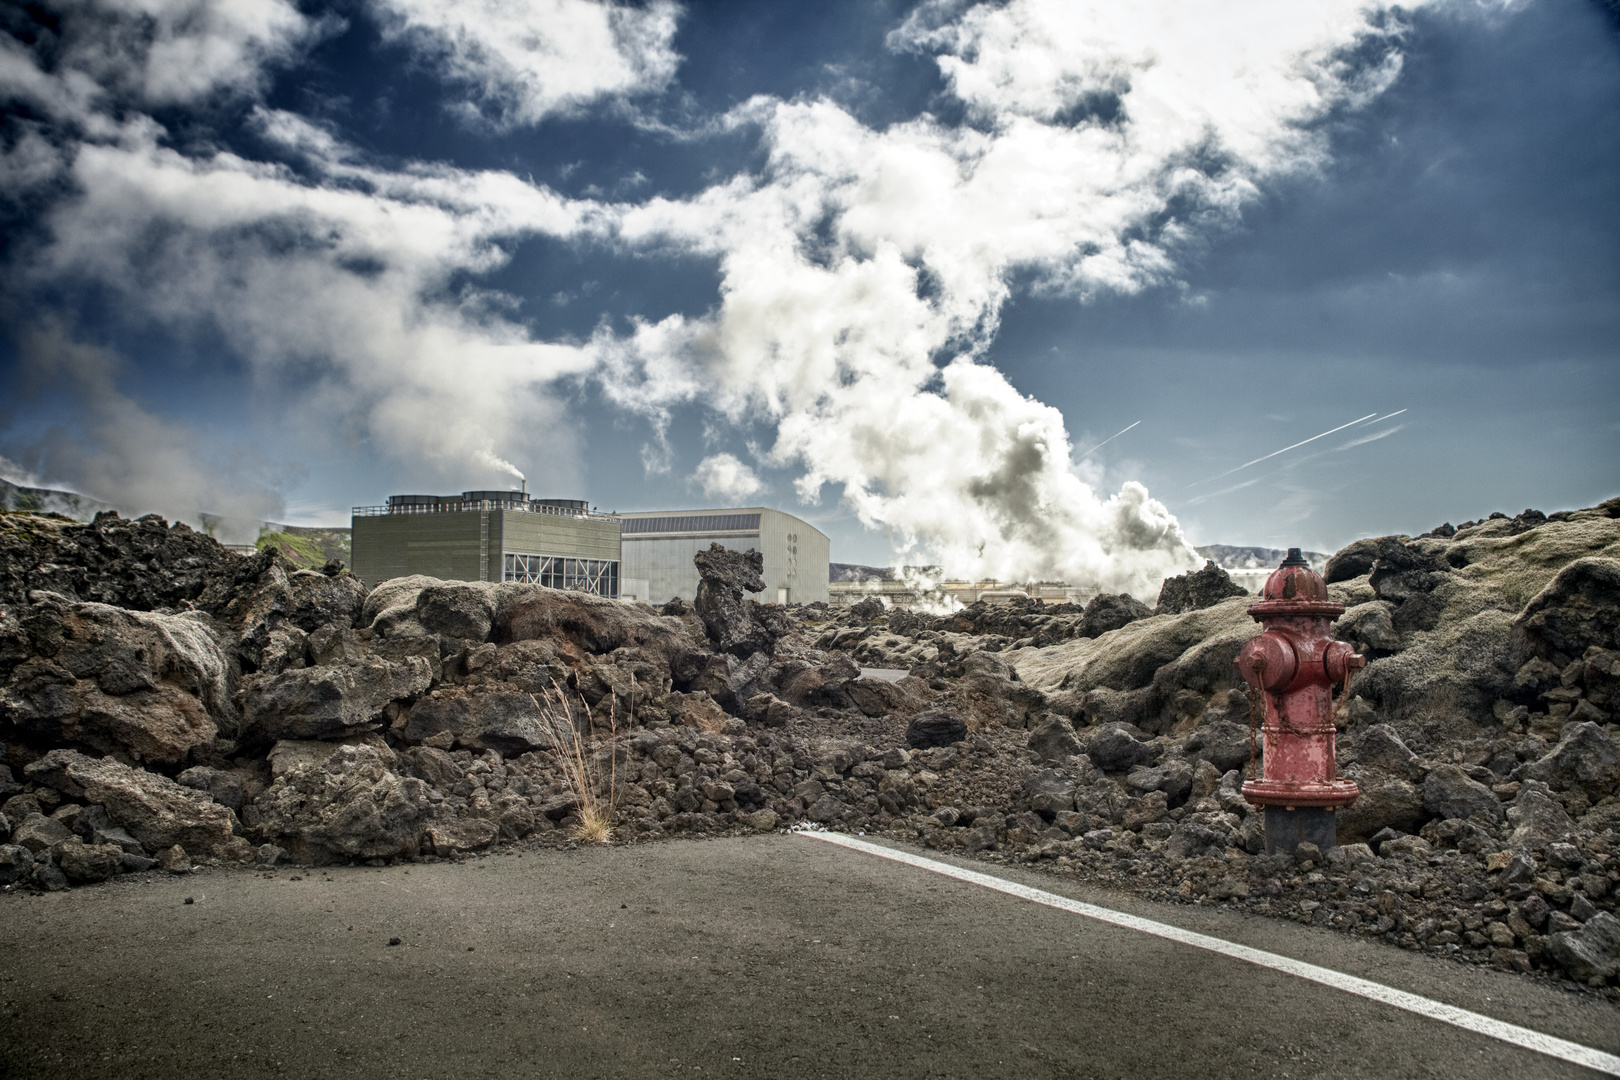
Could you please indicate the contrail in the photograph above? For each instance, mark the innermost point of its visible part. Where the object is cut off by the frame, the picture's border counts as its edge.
(1285, 449)
(1106, 441)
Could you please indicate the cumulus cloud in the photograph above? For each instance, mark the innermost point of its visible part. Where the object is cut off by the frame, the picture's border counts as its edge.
(723, 476)
(524, 60)
(863, 270)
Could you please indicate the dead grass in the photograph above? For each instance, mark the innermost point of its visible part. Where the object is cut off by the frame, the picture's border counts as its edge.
(595, 795)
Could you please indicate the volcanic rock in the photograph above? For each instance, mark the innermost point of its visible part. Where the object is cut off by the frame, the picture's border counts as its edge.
(1579, 609)
(1449, 792)
(1592, 952)
(1110, 611)
(154, 809)
(82, 863)
(508, 721)
(935, 729)
(347, 807)
(1197, 589)
(1054, 740)
(1114, 748)
(330, 701)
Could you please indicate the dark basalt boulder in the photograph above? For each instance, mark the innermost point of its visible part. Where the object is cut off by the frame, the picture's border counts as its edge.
(1198, 589)
(734, 625)
(935, 729)
(1110, 611)
(1579, 609)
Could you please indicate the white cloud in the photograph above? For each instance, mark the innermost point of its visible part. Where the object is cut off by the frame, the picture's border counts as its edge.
(1106, 137)
(863, 271)
(524, 60)
(723, 476)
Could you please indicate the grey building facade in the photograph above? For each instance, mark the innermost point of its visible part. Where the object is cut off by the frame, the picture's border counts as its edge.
(657, 548)
(488, 536)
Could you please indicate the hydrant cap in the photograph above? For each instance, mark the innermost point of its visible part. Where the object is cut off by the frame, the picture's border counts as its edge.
(1295, 588)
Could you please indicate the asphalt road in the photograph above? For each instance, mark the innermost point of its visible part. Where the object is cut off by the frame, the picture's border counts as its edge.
(765, 957)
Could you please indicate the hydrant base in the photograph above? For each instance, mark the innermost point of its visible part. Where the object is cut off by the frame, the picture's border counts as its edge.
(1287, 829)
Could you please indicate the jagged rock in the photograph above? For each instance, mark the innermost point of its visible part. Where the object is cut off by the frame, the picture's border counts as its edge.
(1405, 572)
(434, 765)
(865, 610)
(1592, 952)
(1536, 817)
(16, 864)
(331, 701)
(734, 626)
(1197, 589)
(1386, 802)
(5, 829)
(174, 859)
(1173, 777)
(151, 685)
(1586, 758)
(348, 807)
(1054, 740)
(1358, 558)
(157, 811)
(82, 863)
(1449, 792)
(1113, 748)
(770, 710)
(1380, 746)
(730, 681)
(880, 697)
(1195, 838)
(39, 833)
(1110, 611)
(465, 834)
(1224, 744)
(935, 729)
(271, 604)
(592, 624)
(1050, 791)
(1579, 609)
(95, 827)
(1369, 626)
(503, 720)
(141, 565)
(224, 786)
(290, 754)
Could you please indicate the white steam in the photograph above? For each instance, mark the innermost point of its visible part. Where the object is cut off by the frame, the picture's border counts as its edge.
(863, 270)
(124, 455)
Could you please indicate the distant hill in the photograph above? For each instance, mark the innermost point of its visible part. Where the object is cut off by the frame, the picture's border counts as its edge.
(49, 501)
(1228, 557)
(306, 546)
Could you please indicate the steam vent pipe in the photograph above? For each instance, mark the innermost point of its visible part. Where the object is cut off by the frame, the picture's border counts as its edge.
(1294, 664)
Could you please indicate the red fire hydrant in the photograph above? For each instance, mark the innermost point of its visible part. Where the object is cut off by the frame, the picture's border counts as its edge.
(1294, 665)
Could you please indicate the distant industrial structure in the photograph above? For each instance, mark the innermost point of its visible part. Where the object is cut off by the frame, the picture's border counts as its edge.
(658, 546)
(488, 536)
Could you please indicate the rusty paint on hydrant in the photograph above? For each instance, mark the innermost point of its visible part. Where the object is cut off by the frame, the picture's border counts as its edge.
(1294, 663)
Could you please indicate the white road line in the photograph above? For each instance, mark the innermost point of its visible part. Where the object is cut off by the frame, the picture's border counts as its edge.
(1509, 1033)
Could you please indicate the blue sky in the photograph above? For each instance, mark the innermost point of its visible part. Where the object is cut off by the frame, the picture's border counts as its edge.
(894, 267)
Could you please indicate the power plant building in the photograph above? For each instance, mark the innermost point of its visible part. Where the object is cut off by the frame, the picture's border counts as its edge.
(658, 547)
(488, 536)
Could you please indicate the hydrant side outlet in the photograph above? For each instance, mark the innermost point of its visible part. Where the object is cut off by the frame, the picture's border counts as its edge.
(1294, 663)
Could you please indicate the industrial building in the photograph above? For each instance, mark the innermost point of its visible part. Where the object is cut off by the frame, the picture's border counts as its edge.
(658, 547)
(488, 536)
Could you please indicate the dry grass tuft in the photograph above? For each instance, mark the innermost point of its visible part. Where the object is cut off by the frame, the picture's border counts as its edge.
(595, 796)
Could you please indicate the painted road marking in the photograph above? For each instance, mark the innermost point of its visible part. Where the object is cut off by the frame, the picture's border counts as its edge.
(1484, 1025)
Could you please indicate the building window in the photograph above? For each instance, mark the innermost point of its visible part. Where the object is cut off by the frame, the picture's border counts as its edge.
(597, 576)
